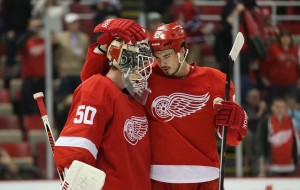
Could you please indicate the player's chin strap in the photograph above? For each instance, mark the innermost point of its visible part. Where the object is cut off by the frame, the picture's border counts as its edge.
(181, 61)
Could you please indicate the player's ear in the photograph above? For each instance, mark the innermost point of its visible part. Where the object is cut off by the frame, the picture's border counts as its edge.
(182, 51)
(183, 47)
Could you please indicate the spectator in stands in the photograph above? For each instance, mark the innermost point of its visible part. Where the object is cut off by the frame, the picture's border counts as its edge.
(16, 14)
(7, 168)
(154, 19)
(223, 40)
(163, 7)
(256, 109)
(32, 48)
(223, 44)
(270, 31)
(105, 9)
(54, 11)
(87, 22)
(187, 15)
(250, 24)
(276, 142)
(69, 58)
(280, 72)
(294, 110)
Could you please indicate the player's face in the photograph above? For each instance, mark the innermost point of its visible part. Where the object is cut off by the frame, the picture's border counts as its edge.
(167, 61)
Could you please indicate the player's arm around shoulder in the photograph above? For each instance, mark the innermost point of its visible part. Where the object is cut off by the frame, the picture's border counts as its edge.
(96, 61)
(82, 134)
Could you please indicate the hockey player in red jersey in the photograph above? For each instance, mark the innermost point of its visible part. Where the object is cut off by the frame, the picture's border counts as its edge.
(185, 110)
(106, 127)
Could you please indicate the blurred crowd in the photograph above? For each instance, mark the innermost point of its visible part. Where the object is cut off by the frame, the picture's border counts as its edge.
(269, 62)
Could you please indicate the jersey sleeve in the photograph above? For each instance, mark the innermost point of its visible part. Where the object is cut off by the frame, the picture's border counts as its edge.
(95, 63)
(82, 134)
(218, 80)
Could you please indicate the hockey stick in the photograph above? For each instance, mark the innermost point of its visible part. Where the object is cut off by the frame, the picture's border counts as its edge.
(80, 176)
(40, 101)
(235, 50)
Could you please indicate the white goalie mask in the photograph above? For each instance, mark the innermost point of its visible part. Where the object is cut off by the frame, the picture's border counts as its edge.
(135, 63)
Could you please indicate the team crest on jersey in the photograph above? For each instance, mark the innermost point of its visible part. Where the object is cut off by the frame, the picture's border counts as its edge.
(177, 105)
(135, 129)
(281, 137)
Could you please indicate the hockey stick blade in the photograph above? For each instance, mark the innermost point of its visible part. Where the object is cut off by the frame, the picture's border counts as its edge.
(237, 46)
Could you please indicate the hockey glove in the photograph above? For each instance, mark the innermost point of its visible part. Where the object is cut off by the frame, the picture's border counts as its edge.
(127, 29)
(230, 114)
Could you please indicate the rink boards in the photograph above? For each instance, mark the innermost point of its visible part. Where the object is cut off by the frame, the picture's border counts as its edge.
(230, 184)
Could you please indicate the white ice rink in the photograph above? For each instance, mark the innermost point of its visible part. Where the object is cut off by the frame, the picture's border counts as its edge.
(230, 184)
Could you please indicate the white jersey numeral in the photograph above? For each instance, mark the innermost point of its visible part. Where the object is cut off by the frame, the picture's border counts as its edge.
(85, 114)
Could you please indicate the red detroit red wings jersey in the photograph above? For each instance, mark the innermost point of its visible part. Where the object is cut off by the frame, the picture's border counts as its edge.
(281, 135)
(182, 131)
(33, 58)
(108, 130)
(281, 64)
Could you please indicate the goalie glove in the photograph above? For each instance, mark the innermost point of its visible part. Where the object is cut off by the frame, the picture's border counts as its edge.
(230, 114)
(127, 29)
(81, 176)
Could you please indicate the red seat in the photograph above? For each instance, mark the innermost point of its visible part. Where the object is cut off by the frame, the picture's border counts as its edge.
(87, 18)
(35, 132)
(33, 122)
(4, 96)
(9, 122)
(20, 153)
(33, 126)
(210, 10)
(17, 149)
(41, 157)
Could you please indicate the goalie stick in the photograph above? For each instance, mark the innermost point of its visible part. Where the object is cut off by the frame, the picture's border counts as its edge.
(235, 50)
(80, 176)
(40, 101)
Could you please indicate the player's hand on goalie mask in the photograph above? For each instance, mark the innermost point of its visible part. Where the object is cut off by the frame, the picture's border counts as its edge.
(228, 113)
(127, 29)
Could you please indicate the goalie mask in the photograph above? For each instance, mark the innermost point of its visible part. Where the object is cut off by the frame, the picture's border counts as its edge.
(135, 63)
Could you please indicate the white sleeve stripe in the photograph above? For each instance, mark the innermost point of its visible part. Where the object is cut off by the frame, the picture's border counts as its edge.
(79, 142)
